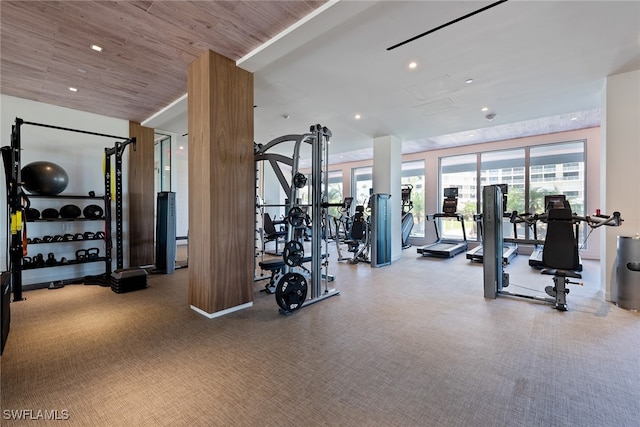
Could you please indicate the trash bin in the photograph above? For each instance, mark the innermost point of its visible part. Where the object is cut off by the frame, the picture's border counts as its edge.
(628, 272)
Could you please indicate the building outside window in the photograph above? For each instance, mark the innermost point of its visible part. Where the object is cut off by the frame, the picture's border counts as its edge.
(413, 174)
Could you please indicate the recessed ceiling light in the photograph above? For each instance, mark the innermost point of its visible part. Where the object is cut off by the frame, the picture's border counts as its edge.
(484, 109)
(80, 70)
(73, 89)
(181, 147)
(574, 118)
(96, 48)
(413, 65)
(468, 81)
(357, 116)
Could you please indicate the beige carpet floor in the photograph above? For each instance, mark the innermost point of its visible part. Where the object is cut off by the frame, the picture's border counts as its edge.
(411, 344)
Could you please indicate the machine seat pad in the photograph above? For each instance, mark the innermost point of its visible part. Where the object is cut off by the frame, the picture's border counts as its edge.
(561, 273)
(278, 263)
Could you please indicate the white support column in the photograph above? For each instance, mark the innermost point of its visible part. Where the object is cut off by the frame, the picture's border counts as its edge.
(620, 157)
(387, 168)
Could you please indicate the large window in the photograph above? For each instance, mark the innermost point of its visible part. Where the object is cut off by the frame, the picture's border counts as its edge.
(506, 167)
(531, 173)
(413, 174)
(334, 191)
(557, 169)
(362, 185)
(460, 172)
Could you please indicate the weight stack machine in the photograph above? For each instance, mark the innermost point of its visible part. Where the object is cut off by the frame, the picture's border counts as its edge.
(166, 233)
(380, 230)
(494, 277)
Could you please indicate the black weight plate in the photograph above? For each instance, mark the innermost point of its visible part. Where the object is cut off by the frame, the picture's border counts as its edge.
(293, 253)
(291, 291)
(296, 216)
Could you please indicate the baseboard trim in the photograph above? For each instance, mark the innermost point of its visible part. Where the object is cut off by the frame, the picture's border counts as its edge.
(221, 312)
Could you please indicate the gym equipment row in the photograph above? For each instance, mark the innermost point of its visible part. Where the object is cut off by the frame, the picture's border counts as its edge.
(560, 254)
(82, 256)
(445, 247)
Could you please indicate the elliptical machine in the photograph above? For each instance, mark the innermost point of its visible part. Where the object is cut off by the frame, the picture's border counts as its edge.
(407, 216)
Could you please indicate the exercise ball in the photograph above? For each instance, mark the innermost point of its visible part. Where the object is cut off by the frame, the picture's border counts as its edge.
(93, 211)
(44, 178)
(70, 211)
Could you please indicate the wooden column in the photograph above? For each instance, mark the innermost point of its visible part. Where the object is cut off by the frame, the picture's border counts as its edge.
(221, 185)
(141, 197)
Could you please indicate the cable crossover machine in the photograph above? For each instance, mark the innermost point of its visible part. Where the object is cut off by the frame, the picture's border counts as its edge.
(289, 275)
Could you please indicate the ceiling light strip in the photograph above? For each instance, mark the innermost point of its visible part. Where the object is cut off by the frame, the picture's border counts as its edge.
(468, 15)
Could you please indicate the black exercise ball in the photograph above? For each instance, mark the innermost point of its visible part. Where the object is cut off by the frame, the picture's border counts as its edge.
(70, 211)
(44, 178)
(33, 213)
(50, 213)
(92, 211)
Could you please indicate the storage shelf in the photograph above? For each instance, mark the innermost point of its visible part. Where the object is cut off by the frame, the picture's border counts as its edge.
(65, 219)
(59, 264)
(64, 241)
(65, 196)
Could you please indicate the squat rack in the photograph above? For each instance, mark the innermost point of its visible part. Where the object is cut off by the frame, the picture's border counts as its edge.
(318, 138)
(12, 164)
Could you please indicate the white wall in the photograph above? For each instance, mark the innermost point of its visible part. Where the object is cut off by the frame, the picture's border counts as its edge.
(81, 156)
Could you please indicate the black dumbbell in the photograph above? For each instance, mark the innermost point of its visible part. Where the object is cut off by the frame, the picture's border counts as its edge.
(47, 239)
(78, 236)
(67, 237)
(88, 235)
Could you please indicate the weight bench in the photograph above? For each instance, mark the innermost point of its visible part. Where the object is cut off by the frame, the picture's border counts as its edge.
(275, 266)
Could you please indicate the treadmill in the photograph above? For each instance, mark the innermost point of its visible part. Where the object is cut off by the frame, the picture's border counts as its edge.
(509, 251)
(446, 248)
(556, 201)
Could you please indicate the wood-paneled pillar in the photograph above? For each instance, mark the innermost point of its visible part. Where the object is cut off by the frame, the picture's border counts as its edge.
(221, 185)
(141, 196)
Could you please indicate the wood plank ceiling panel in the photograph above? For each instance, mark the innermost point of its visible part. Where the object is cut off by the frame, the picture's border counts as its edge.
(147, 46)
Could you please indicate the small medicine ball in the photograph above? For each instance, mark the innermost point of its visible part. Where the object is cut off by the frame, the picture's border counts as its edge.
(44, 178)
(50, 213)
(33, 213)
(70, 211)
(92, 211)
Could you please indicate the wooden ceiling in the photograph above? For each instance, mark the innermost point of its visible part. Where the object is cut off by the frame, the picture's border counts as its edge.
(147, 45)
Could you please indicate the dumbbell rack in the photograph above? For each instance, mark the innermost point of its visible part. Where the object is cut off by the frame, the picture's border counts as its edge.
(82, 255)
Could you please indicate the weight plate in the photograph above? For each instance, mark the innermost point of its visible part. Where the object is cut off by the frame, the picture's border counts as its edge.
(293, 253)
(296, 216)
(291, 291)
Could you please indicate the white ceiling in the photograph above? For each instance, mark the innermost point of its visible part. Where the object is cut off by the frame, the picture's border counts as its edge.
(535, 64)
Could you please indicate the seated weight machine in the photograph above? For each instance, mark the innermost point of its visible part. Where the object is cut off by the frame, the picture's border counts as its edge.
(358, 237)
(560, 253)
